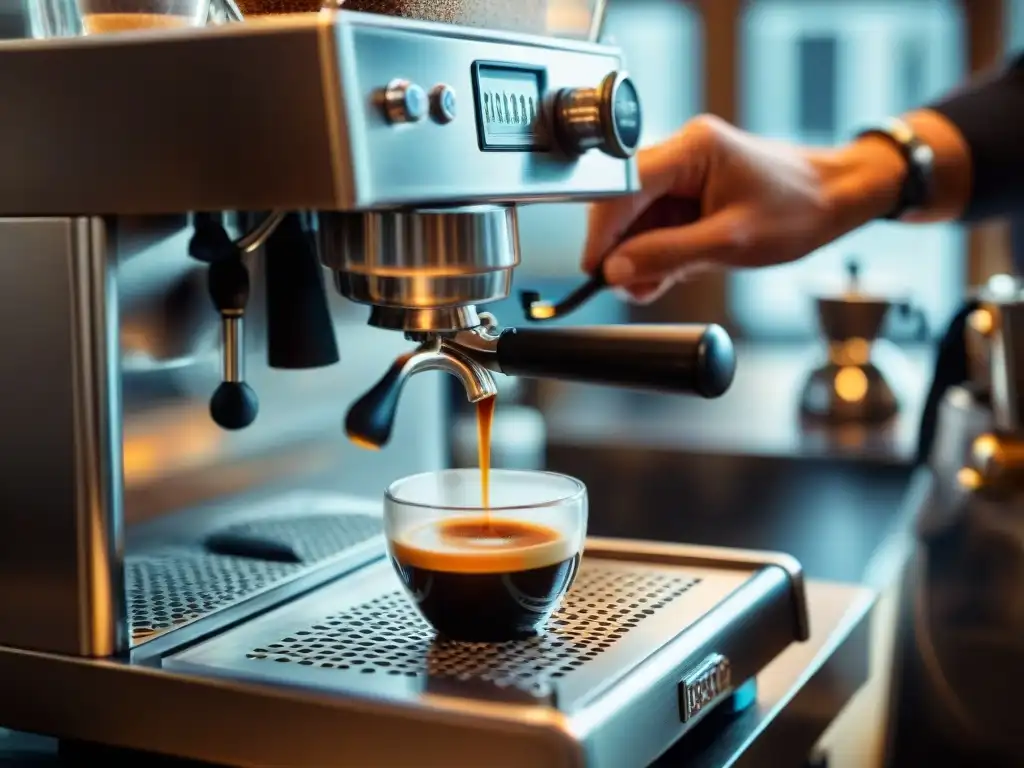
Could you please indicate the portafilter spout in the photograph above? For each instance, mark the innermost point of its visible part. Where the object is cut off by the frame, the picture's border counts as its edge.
(371, 418)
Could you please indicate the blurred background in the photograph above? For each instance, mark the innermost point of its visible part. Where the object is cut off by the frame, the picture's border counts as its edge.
(754, 468)
(810, 71)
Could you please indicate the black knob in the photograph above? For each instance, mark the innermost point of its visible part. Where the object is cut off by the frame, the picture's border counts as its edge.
(371, 418)
(234, 405)
(210, 241)
(608, 117)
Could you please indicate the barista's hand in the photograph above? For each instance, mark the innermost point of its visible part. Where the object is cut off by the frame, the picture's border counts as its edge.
(714, 195)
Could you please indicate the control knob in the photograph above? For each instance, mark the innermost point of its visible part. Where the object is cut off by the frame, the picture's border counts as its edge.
(607, 117)
(404, 102)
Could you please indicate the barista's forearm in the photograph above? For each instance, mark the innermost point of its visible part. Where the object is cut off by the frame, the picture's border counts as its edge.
(862, 181)
(988, 115)
(977, 134)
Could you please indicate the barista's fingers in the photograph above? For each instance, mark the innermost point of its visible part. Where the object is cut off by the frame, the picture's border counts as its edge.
(644, 293)
(660, 168)
(606, 221)
(662, 253)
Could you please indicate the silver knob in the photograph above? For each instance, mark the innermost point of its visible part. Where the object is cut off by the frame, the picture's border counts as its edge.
(607, 117)
(405, 102)
(444, 103)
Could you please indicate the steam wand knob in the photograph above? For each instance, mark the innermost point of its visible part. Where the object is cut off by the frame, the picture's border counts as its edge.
(234, 404)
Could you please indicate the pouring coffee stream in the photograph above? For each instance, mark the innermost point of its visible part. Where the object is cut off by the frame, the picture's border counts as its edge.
(484, 424)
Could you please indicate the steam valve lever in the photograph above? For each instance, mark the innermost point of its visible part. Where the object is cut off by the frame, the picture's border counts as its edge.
(234, 404)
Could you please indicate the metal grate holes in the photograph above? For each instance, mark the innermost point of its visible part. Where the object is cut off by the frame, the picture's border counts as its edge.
(313, 538)
(176, 585)
(388, 636)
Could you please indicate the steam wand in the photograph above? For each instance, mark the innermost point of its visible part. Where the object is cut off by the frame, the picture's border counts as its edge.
(371, 418)
(234, 404)
(680, 358)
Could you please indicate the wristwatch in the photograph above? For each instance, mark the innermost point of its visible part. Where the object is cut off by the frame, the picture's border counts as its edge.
(916, 189)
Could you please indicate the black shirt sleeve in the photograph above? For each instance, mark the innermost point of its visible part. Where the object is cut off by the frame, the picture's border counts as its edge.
(990, 115)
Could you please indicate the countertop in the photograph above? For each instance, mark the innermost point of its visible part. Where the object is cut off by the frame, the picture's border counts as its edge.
(830, 514)
(759, 415)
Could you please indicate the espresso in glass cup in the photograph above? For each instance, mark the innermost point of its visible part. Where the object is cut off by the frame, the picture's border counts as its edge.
(486, 574)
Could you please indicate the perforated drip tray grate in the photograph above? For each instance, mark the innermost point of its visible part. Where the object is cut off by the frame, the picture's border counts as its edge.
(374, 639)
(172, 586)
(387, 635)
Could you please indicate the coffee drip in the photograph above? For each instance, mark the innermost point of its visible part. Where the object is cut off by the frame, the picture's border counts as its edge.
(484, 424)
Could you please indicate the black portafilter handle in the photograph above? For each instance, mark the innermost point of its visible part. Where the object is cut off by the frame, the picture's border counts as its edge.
(688, 359)
(234, 404)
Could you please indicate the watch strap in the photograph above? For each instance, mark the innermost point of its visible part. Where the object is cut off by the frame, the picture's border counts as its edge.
(916, 187)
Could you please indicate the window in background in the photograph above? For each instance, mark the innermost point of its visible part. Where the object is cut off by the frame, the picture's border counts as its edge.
(1015, 28)
(661, 42)
(816, 71)
(816, 99)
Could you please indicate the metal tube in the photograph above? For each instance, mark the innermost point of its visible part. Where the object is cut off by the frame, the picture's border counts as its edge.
(233, 348)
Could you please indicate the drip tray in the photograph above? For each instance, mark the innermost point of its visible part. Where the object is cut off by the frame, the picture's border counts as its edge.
(630, 630)
(597, 631)
(171, 586)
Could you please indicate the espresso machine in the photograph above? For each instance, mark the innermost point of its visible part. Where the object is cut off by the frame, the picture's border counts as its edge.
(960, 662)
(214, 242)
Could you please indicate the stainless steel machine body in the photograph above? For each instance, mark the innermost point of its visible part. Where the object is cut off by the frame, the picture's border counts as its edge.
(172, 586)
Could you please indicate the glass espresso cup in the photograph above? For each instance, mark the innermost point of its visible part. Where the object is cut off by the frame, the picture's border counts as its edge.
(486, 574)
(69, 18)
